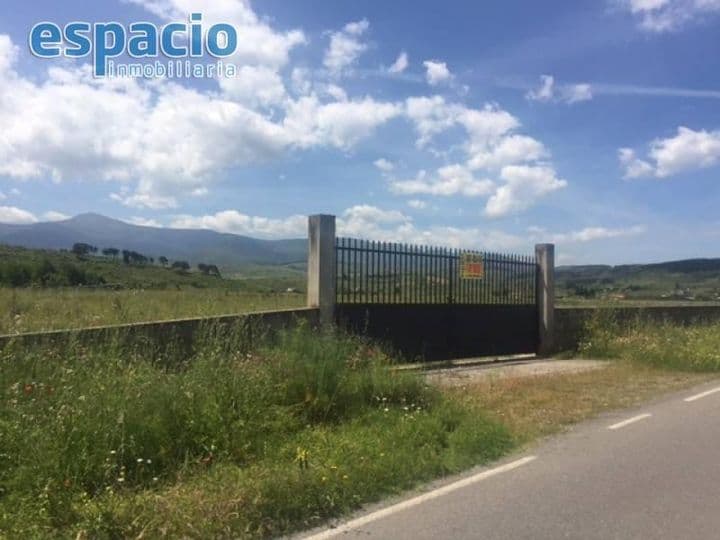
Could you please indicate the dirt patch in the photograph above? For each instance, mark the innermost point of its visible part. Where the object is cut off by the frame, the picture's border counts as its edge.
(460, 376)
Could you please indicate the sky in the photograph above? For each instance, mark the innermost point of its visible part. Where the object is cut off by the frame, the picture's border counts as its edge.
(591, 124)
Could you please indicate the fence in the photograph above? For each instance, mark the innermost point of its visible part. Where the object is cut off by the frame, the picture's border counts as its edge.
(369, 272)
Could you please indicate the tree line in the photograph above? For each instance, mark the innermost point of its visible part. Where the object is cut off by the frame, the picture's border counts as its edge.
(44, 273)
(129, 257)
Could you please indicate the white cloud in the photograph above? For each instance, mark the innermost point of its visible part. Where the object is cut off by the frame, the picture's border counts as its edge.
(401, 63)
(548, 91)
(492, 145)
(254, 86)
(345, 46)
(55, 216)
(300, 79)
(384, 165)
(360, 221)
(634, 167)
(8, 54)
(232, 221)
(16, 216)
(339, 124)
(367, 221)
(523, 186)
(486, 126)
(335, 92)
(688, 150)
(507, 150)
(545, 92)
(259, 44)
(160, 142)
(373, 223)
(436, 72)
(144, 200)
(144, 222)
(430, 116)
(587, 234)
(417, 204)
(669, 15)
(168, 140)
(451, 180)
(575, 93)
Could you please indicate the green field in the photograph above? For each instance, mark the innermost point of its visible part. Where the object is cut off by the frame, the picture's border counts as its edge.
(124, 293)
(32, 310)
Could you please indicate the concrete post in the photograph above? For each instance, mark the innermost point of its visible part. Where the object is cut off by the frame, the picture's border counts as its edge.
(321, 266)
(545, 255)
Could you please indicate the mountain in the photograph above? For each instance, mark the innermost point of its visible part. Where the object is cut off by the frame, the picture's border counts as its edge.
(229, 251)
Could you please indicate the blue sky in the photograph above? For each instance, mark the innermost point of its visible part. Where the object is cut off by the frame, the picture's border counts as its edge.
(591, 124)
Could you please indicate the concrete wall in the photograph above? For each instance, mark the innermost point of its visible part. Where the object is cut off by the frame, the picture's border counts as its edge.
(170, 338)
(569, 322)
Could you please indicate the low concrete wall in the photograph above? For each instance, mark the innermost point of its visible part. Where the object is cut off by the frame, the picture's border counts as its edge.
(570, 322)
(172, 337)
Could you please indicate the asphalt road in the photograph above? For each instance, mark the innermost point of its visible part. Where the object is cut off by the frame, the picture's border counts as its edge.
(652, 472)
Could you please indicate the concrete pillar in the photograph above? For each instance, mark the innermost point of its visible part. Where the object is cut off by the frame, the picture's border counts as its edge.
(321, 266)
(545, 256)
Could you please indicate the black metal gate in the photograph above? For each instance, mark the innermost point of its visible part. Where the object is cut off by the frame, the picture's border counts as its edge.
(437, 303)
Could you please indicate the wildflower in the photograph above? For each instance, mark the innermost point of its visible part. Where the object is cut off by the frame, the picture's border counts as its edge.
(28, 389)
(140, 460)
(148, 461)
(345, 477)
(155, 479)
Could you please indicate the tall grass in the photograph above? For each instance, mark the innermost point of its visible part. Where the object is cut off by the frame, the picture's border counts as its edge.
(107, 442)
(660, 344)
(31, 310)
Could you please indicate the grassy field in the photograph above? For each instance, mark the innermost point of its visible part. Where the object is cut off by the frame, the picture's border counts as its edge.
(103, 444)
(31, 310)
(576, 301)
(240, 443)
(661, 345)
(50, 268)
(125, 293)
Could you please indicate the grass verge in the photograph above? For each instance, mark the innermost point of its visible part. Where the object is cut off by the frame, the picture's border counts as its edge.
(662, 345)
(538, 406)
(111, 443)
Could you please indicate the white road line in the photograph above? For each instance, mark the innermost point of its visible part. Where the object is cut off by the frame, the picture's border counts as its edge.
(702, 395)
(364, 520)
(630, 421)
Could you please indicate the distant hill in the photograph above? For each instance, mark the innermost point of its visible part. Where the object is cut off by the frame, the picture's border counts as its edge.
(690, 279)
(228, 251)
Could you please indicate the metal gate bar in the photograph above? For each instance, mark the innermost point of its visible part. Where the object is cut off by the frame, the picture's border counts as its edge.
(369, 272)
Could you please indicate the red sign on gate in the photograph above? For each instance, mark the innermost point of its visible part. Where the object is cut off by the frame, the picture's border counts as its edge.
(471, 266)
